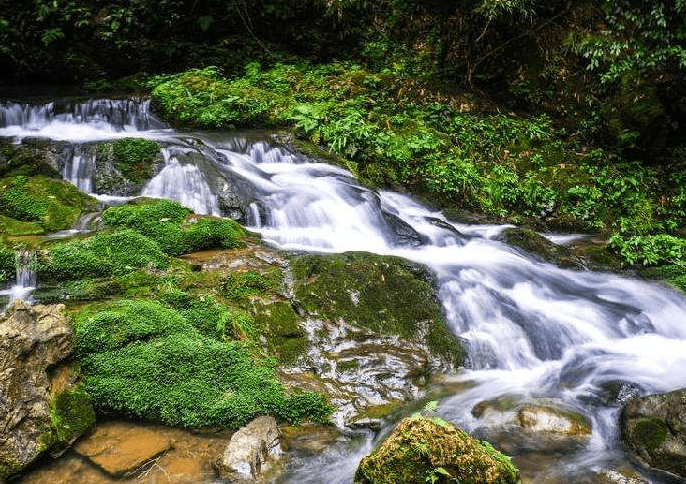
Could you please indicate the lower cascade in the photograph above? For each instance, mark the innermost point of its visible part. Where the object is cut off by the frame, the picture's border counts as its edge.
(542, 341)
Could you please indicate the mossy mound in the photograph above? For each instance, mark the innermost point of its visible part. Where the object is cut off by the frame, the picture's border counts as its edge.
(133, 157)
(71, 414)
(145, 360)
(422, 450)
(387, 295)
(99, 256)
(171, 226)
(41, 203)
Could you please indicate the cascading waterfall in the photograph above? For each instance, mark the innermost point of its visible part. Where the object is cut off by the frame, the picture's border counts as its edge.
(532, 330)
(26, 277)
(184, 183)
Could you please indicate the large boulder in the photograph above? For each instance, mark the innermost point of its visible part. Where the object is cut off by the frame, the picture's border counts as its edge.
(36, 411)
(249, 451)
(654, 430)
(424, 450)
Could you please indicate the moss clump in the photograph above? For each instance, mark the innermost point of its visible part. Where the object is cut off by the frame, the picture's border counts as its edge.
(100, 256)
(52, 204)
(7, 263)
(22, 161)
(134, 157)
(145, 360)
(71, 413)
(651, 433)
(424, 450)
(166, 223)
(241, 286)
(384, 294)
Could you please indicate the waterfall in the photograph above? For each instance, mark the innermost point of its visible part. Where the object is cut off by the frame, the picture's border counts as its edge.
(78, 121)
(184, 183)
(531, 329)
(26, 277)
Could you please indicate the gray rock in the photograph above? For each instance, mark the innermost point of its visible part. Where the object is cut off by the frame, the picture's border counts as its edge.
(654, 430)
(32, 340)
(249, 452)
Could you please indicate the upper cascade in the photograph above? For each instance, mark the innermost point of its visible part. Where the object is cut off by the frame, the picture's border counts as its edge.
(84, 120)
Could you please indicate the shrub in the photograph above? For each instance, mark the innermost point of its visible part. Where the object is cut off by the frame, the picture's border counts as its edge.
(650, 250)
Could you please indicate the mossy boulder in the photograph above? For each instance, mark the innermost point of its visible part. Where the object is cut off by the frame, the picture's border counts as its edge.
(654, 430)
(422, 450)
(124, 166)
(383, 294)
(540, 247)
(24, 161)
(44, 202)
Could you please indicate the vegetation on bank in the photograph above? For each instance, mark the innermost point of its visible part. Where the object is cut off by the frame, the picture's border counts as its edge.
(522, 169)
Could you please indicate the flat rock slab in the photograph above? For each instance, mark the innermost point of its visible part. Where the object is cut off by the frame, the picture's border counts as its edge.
(119, 448)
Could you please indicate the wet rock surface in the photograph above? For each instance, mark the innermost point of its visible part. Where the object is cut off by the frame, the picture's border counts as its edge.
(118, 448)
(654, 430)
(187, 459)
(250, 452)
(531, 426)
(32, 340)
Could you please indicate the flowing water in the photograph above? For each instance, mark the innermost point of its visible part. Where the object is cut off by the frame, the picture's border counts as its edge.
(534, 332)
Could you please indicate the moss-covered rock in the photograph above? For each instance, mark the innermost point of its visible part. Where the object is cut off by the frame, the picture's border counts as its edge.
(539, 246)
(123, 166)
(386, 295)
(46, 202)
(654, 430)
(422, 450)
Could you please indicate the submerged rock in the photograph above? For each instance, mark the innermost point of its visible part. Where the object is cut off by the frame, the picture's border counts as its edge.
(531, 425)
(118, 448)
(654, 430)
(248, 454)
(33, 340)
(424, 450)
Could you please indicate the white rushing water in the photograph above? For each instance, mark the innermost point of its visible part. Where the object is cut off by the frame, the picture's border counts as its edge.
(531, 329)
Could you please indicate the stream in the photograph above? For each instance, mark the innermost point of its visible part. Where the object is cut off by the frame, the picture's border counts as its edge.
(535, 333)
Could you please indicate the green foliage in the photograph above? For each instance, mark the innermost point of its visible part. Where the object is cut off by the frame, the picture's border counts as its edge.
(650, 250)
(144, 360)
(164, 222)
(7, 263)
(99, 256)
(53, 204)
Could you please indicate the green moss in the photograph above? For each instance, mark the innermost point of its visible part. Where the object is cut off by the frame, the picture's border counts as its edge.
(23, 161)
(165, 222)
(12, 227)
(384, 294)
(241, 286)
(7, 263)
(286, 340)
(651, 433)
(52, 204)
(71, 414)
(99, 256)
(149, 361)
(424, 450)
(133, 157)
